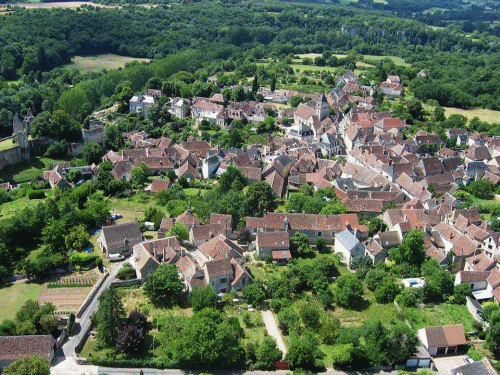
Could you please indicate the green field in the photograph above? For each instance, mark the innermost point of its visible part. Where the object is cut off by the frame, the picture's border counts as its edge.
(420, 317)
(487, 204)
(13, 296)
(7, 144)
(9, 209)
(99, 62)
(487, 115)
(27, 171)
(194, 191)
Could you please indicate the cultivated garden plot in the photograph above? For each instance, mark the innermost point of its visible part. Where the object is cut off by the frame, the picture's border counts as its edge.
(69, 292)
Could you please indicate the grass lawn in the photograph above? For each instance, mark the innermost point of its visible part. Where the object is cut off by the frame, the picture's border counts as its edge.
(194, 191)
(99, 62)
(386, 313)
(489, 204)
(9, 209)
(27, 171)
(438, 315)
(13, 296)
(132, 208)
(487, 115)
(7, 144)
(397, 60)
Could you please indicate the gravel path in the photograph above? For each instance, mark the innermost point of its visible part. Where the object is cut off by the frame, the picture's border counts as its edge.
(273, 330)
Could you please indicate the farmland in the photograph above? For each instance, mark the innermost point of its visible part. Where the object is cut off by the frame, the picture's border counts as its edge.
(68, 292)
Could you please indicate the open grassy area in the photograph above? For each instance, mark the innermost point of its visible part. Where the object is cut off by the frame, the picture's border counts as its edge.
(488, 204)
(132, 208)
(488, 115)
(99, 62)
(27, 171)
(443, 314)
(9, 209)
(13, 296)
(7, 144)
(194, 191)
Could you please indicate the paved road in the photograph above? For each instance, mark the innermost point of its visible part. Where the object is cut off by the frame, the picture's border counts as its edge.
(64, 363)
(273, 330)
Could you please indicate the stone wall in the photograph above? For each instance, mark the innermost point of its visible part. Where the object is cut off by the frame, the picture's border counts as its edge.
(10, 156)
(94, 135)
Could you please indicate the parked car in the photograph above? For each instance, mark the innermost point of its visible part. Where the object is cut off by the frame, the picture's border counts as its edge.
(468, 360)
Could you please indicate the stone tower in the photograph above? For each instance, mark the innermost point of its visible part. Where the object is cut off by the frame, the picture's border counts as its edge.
(322, 107)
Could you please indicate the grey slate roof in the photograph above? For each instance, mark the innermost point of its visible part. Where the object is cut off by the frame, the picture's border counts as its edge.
(348, 239)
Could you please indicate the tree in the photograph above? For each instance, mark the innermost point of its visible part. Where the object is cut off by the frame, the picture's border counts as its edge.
(374, 278)
(74, 175)
(304, 353)
(361, 264)
(77, 238)
(402, 343)
(482, 189)
(180, 230)
(267, 354)
(408, 297)
(348, 291)
(164, 286)
(200, 299)
(329, 330)
(92, 153)
(154, 215)
(299, 245)
(255, 84)
(411, 250)
(260, 197)
(386, 291)
(109, 318)
(273, 83)
(74, 102)
(460, 293)
(131, 339)
(232, 177)
(493, 334)
(208, 339)
(321, 245)
(254, 294)
(310, 316)
(139, 175)
(53, 236)
(34, 365)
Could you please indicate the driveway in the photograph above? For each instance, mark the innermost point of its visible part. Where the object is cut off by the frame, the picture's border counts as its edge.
(444, 365)
(273, 330)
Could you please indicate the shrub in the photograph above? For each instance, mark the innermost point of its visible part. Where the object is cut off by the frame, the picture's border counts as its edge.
(126, 273)
(36, 194)
(82, 259)
(409, 297)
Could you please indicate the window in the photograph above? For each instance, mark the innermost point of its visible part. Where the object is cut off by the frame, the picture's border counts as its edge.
(223, 280)
(213, 282)
(243, 281)
(319, 234)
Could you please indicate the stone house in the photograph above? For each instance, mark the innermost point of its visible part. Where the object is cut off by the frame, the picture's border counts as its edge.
(141, 103)
(119, 239)
(268, 242)
(443, 340)
(348, 246)
(13, 348)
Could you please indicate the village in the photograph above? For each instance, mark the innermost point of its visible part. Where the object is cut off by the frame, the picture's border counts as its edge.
(390, 184)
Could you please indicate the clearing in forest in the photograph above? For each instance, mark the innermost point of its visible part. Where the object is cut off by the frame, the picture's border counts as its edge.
(99, 62)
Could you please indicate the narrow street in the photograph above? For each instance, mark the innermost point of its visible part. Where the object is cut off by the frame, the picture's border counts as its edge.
(64, 362)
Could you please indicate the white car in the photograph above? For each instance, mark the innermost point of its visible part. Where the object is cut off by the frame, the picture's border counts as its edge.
(468, 360)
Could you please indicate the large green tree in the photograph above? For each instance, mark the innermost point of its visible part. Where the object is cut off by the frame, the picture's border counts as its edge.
(35, 365)
(348, 291)
(260, 197)
(164, 287)
(109, 318)
(267, 354)
(208, 339)
(411, 250)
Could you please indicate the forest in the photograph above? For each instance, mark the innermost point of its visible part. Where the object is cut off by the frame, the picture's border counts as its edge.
(462, 71)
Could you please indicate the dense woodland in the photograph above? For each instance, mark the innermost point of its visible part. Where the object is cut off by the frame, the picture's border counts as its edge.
(462, 71)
